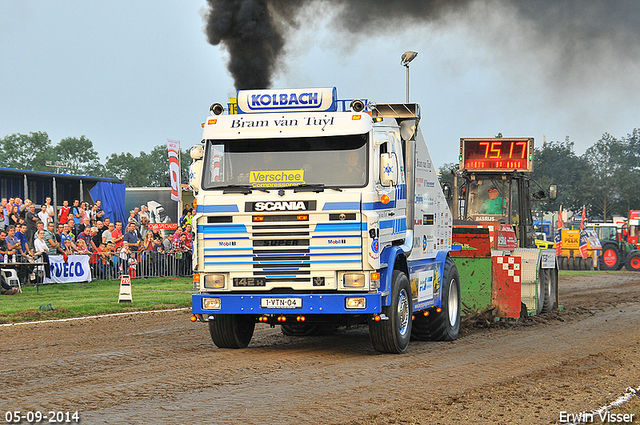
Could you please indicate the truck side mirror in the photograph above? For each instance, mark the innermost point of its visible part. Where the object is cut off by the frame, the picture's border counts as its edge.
(388, 169)
(553, 192)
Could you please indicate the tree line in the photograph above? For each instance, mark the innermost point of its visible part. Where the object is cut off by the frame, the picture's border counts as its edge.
(605, 179)
(32, 151)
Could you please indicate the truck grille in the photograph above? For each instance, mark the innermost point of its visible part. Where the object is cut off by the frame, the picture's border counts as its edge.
(281, 249)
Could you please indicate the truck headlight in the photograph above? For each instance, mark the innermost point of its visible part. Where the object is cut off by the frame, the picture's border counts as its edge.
(214, 281)
(356, 302)
(354, 280)
(211, 303)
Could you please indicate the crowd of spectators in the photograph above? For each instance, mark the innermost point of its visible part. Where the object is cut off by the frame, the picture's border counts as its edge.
(31, 234)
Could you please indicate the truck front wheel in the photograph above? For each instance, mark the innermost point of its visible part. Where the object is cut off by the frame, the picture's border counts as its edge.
(231, 330)
(392, 333)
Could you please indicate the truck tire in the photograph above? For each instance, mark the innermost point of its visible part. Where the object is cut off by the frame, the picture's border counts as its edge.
(610, 258)
(582, 265)
(444, 326)
(232, 330)
(393, 332)
(549, 302)
(633, 261)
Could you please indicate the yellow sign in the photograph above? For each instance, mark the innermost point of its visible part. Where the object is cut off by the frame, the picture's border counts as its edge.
(276, 178)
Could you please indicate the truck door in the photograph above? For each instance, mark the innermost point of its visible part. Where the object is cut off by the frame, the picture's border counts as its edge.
(390, 186)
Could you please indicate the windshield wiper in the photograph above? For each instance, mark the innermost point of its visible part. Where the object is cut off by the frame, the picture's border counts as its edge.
(240, 188)
(318, 187)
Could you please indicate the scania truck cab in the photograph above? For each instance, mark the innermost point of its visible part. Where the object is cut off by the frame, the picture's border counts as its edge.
(314, 213)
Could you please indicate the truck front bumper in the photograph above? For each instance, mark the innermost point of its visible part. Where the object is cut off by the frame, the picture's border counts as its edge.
(260, 304)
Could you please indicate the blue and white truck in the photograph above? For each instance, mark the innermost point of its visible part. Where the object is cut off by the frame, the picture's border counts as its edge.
(314, 213)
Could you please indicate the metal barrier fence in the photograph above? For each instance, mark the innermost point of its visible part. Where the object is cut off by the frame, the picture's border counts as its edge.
(141, 264)
(138, 264)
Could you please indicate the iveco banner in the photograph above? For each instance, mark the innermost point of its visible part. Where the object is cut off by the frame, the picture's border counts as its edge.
(75, 269)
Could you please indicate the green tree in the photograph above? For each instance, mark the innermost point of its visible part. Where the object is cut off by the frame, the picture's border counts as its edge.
(149, 169)
(26, 151)
(557, 163)
(80, 155)
(615, 183)
(131, 169)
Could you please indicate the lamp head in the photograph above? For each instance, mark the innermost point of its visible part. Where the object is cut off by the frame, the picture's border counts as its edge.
(407, 57)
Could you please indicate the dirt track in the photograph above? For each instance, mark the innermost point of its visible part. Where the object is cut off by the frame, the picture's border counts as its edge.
(161, 368)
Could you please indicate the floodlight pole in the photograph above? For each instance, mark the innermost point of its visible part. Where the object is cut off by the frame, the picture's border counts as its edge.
(407, 66)
(407, 57)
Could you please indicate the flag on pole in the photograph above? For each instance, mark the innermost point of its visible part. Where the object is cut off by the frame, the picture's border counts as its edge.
(173, 147)
(558, 237)
(583, 236)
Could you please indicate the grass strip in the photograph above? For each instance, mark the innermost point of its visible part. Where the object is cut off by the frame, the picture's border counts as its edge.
(64, 300)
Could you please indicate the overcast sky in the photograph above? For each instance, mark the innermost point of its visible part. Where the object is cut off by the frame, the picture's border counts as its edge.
(128, 75)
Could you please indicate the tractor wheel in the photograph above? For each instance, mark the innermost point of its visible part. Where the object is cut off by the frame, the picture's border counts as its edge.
(232, 330)
(393, 332)
(610, 258)
(633, 261)
(543, 282)
(589, 263)
(443, 326)
(564, 263)
(549, 302)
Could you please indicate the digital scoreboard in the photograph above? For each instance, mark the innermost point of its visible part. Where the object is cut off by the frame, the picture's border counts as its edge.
(503, 154)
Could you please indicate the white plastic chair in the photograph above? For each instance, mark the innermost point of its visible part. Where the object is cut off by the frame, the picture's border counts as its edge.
(11, 277)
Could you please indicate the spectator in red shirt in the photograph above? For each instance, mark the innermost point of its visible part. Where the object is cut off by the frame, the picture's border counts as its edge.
(63, 212)
(189, 237)
(116, 235)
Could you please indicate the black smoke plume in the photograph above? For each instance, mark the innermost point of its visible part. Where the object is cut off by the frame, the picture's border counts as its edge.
(253, 32)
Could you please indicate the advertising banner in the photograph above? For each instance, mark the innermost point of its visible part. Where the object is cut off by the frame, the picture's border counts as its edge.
(173, 147)
(75, 269)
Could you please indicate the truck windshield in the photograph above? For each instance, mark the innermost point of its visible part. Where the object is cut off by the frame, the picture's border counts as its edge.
(275, 163)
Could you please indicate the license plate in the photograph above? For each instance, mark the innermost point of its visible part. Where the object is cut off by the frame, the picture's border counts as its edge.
(281, 302)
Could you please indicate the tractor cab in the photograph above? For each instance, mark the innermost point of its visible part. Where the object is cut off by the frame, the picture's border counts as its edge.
(496, 187)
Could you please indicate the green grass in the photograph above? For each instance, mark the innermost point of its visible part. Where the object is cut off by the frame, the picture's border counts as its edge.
(590, 272)
(98, 297)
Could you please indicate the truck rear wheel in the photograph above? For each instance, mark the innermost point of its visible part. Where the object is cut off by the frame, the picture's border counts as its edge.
(393, 332)
(549, 302)
(231, 330)
(633, 261)
(610, 258)
(444, 326)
